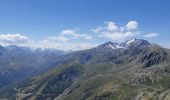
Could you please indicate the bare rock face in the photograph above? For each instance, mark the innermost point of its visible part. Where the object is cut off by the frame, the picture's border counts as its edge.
(153, 55)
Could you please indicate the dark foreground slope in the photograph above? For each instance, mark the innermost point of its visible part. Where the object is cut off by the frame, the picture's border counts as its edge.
(135, 70)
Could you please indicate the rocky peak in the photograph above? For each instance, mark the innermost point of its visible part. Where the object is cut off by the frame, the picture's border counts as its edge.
(111, 45)
(135, 43)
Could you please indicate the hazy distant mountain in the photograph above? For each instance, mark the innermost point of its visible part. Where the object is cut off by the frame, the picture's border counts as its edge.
(132, 70)
(19, 62)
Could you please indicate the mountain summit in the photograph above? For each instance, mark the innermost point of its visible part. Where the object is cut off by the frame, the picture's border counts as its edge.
(135, 43)
(127, 44)
(111, 45)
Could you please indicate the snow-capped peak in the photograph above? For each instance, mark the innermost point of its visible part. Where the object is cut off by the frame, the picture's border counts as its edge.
(111, 45)
(135, 42)
(115, 46)
(127, 44)
(131, 41)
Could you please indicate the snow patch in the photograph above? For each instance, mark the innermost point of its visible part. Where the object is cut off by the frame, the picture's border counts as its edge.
(115, 46)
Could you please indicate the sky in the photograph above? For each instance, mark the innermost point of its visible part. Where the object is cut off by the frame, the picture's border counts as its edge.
(82, 24)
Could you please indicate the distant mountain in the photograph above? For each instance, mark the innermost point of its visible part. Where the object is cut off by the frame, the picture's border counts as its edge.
(132, 70)
(111, 45)
(127, 44)
(135, 43)
(20, 62)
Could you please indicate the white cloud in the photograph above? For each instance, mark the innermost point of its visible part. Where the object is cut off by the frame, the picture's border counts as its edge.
(72, 33)
(55, 42)
(118, 33)
(58, 39)
(68, 32)
(96, 30)
(132, 25)
(86, 36)
(6, 39)
(151, 35)
(118, 36)
(111, 26)
(61, 46)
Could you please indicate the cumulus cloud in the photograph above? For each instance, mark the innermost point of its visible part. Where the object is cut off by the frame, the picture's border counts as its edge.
(115, 32)
(151, 35)
(118, 35)
(72, 33)
(111, 26)
(132, 25)
(6, 39)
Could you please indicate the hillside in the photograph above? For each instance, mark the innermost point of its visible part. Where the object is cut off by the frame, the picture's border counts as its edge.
(132, 70)
(17, 63)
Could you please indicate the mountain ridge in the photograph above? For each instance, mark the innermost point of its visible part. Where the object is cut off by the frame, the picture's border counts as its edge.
(101, 73)
(127, 44)
(20, 62)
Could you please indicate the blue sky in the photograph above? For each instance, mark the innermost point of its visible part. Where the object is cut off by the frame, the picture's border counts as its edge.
(80, 24)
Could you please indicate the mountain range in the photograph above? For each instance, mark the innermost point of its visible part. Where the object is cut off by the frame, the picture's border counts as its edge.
(133, 70)
(20, 62)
